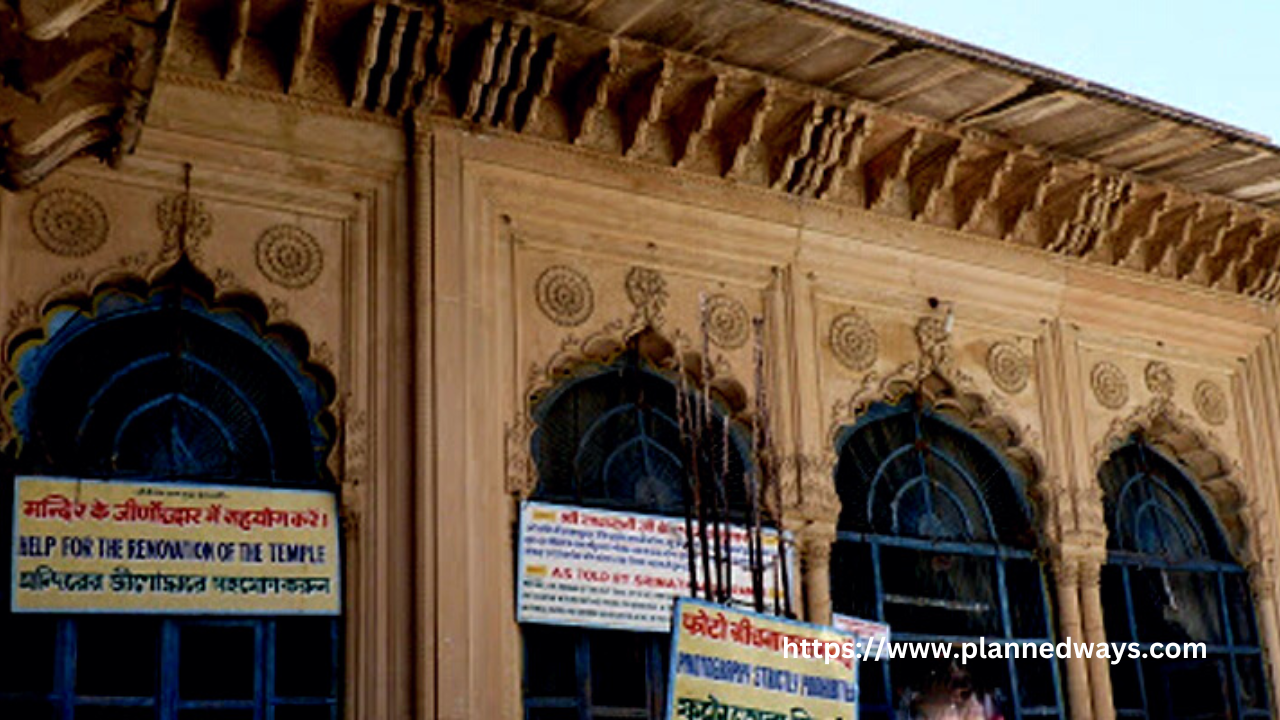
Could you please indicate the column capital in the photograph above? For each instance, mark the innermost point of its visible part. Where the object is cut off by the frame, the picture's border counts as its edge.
(1078, 563)
(1260, 581)
(1087, 502)
(814, 541)
(1090, 575)
(814, 473)
(1066, 570)
(1082, 543)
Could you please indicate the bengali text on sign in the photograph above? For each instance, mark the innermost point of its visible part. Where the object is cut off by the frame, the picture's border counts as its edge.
(135, 547)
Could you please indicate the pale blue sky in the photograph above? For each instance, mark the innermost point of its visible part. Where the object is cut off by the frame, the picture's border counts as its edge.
(1218, 59)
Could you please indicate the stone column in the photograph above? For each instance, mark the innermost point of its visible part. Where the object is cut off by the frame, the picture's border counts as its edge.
(815, 557)
(1264, 603)
(1095, 632)
(1257, 389)
(1066, 573)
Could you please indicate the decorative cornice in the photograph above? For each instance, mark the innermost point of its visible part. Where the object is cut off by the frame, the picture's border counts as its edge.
(526, 73)
(78, 80)
(511, 70)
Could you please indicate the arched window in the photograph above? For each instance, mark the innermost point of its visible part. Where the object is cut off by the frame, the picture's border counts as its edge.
(161, 383)
(1172, 577)
(936, 539)
(610, 438)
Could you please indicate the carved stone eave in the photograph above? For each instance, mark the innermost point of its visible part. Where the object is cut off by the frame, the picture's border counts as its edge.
(503, 69)
(82, 75)
(522, 72)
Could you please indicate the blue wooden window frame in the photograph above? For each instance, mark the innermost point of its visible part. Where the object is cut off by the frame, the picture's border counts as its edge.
(181, 297)
(1203, 553)
(582, 703)
(983, 540)
(64, 701)
(588, 483)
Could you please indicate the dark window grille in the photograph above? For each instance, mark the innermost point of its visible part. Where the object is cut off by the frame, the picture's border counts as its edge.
(1171, 577)
(937, 539)
(611, 439)
(61, 668)
(158, 385)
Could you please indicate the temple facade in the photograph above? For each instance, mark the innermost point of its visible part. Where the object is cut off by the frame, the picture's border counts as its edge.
(1017, 333)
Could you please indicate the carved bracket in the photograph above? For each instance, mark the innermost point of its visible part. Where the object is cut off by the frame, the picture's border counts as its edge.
(79, 76)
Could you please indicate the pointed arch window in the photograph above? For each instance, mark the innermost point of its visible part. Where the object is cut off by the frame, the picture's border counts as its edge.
(1172, 576)
(610, 437)
(935, 537)
(157, 382)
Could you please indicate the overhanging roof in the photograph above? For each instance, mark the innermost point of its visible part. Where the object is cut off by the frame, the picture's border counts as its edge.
(820, 43)
(800, 97)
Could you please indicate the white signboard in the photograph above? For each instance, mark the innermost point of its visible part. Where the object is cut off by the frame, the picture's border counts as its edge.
(862, 629)
(601, 568)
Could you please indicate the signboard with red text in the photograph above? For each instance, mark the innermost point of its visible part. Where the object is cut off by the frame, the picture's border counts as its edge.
(601, 568)
(728, 663)
(859, 628)
(134, 547)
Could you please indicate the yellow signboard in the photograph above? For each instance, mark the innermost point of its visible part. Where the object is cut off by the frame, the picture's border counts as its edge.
(728, 663)
(133, 547)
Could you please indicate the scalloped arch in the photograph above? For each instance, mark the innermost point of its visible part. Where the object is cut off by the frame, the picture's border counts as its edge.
(597, 351)
(969, 409)
(580, 357)
(238, 316)
(1178, 436)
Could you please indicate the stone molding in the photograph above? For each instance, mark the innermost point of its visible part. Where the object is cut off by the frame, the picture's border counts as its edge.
(81, 80)
(510, 70)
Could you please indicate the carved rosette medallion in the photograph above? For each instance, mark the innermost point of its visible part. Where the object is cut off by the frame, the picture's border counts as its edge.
(728, 325)
(1109, 385)
(289, 256)
(1210, 402)
(69, 222)
(1159, 379)
(1009, 367)
(564, 295)
(178, 214)
(853, 341)
(647, 291)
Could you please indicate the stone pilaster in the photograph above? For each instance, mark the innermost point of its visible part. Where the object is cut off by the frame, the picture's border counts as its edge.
(1264, 603)
(815, 561)
(1090, 565)
(1066, 574)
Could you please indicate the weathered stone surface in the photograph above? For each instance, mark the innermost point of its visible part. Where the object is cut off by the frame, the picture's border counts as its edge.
(79, 75)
